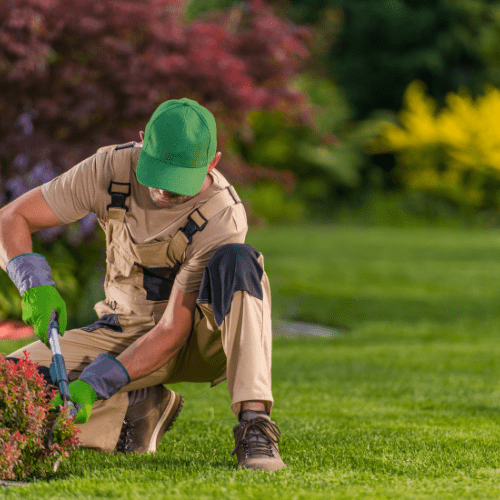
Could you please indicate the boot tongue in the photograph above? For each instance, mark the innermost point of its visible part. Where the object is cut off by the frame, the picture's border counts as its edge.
(250, 415)
(254, 436)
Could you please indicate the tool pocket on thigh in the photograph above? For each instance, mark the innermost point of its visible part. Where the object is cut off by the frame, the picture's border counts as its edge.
(108, 321)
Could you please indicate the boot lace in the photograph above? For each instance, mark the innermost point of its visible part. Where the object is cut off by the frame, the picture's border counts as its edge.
(256, 437)
(125, 439)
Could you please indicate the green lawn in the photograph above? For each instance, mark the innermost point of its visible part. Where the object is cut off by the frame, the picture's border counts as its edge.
(403, 403)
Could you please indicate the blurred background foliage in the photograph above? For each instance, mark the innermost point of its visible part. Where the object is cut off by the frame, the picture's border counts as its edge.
(368, 56)
(371, 112)
(451, 153)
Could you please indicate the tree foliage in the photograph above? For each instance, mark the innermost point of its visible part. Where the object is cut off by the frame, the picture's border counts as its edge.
(375, 48)
(75, 79)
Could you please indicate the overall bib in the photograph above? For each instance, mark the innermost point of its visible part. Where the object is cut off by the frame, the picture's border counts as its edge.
(232, 342)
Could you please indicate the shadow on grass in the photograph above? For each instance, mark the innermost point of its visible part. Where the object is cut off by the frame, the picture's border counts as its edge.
(85, 462)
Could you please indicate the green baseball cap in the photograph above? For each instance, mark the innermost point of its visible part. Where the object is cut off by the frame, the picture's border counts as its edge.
(180, 141)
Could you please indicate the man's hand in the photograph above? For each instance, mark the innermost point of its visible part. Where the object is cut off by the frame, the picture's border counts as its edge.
(37, 305)
(82, 394)
(31, 274)
(103, 378)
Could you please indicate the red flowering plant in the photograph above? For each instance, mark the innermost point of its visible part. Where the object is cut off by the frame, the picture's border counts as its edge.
(26, 421)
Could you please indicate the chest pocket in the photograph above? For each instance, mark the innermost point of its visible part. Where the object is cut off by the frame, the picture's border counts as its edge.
(158, 281)
(120, 264)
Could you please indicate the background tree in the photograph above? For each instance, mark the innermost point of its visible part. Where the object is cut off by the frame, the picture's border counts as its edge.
(370, 51)
(76, 79)
(374, 49)
(365, 54)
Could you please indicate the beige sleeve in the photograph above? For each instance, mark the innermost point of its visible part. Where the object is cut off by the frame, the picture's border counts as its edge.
(76, 193)
(229, 226)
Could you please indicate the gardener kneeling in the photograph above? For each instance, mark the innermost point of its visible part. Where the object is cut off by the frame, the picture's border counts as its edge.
(186, 299)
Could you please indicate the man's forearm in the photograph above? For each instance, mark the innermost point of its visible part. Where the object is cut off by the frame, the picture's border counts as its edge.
(150, 352)
(15, 237)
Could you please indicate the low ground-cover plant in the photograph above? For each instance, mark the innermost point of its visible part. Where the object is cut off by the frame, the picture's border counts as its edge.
(26, 420)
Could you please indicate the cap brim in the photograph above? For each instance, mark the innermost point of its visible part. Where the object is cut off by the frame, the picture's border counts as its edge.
(157, 174)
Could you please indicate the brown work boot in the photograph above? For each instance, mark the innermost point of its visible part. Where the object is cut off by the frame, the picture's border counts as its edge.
(146, 421)
(256, 438)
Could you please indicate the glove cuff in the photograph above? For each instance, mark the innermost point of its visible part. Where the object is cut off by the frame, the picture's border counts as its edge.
(106, 375)
(29, 270)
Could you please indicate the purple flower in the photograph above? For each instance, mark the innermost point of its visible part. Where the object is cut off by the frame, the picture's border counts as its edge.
(15, 187)
(41, 173)
(88, 223)
(21, 161)
(75, 236)
(25, 121)
(51, 233)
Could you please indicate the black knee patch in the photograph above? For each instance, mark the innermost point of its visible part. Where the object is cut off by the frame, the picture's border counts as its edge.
(232, 267)
(42, 370)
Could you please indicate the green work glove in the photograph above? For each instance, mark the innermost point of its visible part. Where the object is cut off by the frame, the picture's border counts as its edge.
(101, 379)
(81, 393)
(41, 302)
(37, 305)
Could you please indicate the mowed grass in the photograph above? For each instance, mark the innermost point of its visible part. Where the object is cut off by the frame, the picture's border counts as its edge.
(404, 402)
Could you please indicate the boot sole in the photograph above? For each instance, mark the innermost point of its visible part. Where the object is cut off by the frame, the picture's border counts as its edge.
(167, 420)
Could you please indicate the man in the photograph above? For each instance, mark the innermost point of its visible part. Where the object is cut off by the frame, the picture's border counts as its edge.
(186, 299)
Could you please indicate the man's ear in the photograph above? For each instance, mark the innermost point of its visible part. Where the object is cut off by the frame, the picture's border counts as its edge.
(214, 162)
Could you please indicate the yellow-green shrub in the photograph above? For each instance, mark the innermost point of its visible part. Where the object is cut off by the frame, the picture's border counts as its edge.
(453, 152)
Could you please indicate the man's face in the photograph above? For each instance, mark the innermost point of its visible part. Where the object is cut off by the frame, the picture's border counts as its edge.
(166, 199)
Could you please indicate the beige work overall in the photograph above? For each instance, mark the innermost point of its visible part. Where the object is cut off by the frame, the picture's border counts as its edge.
(240, 350)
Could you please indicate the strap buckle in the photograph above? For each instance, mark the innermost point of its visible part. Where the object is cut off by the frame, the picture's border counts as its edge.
(192, 227)
(232, 195)
(118, 198)
(198, 215)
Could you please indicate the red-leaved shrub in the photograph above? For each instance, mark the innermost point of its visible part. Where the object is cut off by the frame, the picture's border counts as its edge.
(75, 79)
(25, 422)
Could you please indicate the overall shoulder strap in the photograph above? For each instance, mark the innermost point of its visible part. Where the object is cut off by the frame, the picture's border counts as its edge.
(197, 220)
(119, 186)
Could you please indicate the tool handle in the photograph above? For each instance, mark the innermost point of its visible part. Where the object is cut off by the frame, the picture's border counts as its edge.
(58, 371)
